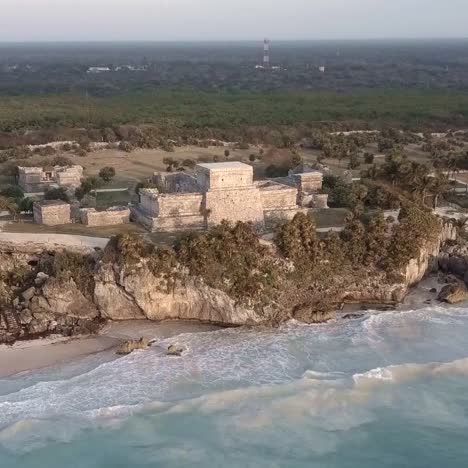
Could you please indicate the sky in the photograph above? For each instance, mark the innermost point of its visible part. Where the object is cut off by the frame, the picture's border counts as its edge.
(169, 20)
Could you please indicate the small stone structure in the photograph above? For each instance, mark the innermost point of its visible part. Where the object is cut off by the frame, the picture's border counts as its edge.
(38, 179)
(51, 212)
(110, 217)
(225, 191)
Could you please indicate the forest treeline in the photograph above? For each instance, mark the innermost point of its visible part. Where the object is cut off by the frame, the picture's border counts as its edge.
(230, 116)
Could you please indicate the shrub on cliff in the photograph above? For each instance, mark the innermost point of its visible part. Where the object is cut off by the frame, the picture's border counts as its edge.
(354, 241)
(377, 239)
(417, 227)
(71, 265)
(130, 250)
(127, 250)
(297, 239)
(231, 258)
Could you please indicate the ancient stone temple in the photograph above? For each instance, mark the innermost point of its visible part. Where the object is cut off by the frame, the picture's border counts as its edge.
(38, 179)
(225, 191)
(51, 212)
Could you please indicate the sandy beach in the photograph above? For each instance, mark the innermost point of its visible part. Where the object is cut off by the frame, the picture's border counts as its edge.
(36, 354)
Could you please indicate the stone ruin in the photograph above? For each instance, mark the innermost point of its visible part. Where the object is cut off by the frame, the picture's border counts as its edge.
(225, 191)
(51, 212)
(56, 212)
(110, 217)
(38, 179)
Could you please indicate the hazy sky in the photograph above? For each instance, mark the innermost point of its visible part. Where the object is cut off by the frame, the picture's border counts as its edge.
(25, 20)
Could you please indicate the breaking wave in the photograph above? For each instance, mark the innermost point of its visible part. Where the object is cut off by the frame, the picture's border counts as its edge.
(309, 386)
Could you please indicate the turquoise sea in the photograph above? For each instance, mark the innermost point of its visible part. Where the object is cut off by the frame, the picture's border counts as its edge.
(387, 390)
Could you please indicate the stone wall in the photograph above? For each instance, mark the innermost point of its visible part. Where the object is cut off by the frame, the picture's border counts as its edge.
(234, 205)
(309, 181)
(169, 212)
(111, 217)
(179, 223)
(29, 178)
(51, 213)
(149, 201)
(168, 224)
(179, 204)
(313, 200)
(69, 176)
(276, 196)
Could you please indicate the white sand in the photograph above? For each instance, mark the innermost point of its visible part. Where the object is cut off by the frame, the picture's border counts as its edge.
(36, 354)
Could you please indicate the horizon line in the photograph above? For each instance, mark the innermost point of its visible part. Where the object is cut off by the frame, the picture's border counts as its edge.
(249, 40)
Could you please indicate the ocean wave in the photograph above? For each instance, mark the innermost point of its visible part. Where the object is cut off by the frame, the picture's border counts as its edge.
(397, 374)
(300, 407)
(305, 377)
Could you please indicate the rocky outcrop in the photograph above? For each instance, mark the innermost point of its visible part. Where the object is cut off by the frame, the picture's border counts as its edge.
(428, 259)
(64, 298)
(453, 259)
(175, 350)
(137, 293)
(454, 293)
(35, 303)
(133, 345)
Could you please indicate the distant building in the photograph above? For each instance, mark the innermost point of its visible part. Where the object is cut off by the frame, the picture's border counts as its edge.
(131, 68)
(98, 69)
(38, 179)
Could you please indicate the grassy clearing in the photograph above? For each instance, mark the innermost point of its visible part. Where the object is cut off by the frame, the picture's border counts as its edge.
(333, 217)
(108, 199)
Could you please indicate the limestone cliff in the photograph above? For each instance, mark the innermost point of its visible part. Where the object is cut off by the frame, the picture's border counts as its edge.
(34, 302)
(123, 294)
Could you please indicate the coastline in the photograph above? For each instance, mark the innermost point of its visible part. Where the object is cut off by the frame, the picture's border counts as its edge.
(26, 356)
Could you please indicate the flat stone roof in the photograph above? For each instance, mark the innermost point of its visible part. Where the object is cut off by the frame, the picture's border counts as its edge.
(310, 174)
(51, 203)
(226, 166)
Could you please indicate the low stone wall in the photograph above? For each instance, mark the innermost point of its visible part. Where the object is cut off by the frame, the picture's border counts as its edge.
(313, 200)
(179, 223)
(168, 224)
(142, 217)
(180, 204)
(278, 197)
(110, 217)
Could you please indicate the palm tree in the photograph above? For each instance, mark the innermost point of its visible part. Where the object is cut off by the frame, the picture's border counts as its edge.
(423, 186)
(440, 186)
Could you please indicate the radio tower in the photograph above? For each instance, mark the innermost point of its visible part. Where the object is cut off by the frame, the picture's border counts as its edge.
(266, 53)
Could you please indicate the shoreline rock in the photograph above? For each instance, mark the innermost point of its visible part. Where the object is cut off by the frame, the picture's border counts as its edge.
(133, 345)
(175, 350)
(453, 293)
